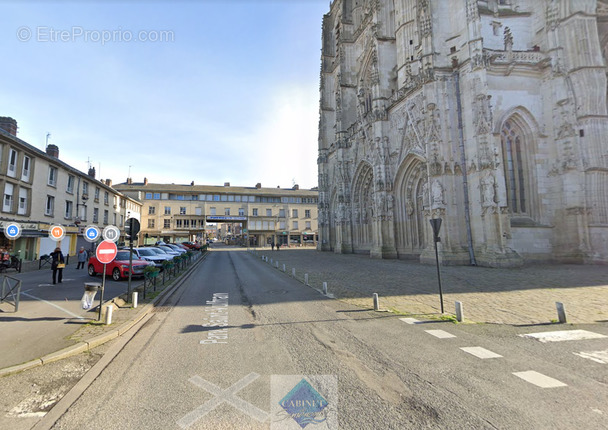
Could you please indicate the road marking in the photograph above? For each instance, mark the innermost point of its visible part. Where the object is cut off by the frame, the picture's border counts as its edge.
(539, 379)
(480, 352)
(440, 334)
(597, 356)
(559, 336)
(54, 305)
(410, 320)
(221, 396)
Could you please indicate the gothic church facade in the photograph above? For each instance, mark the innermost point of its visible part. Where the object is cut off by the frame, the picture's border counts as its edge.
(490, 115)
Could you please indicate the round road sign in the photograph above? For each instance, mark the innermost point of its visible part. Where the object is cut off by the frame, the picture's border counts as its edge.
(111, 233)
(56, 232)
(106, 251)
(12, 231)
(91, 233)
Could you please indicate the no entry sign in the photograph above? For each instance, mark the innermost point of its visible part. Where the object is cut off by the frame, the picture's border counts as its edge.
(106, 252)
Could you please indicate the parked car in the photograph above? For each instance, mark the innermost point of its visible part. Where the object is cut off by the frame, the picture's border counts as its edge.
(190, 245)
(119, 268)
(163, 252)
(168, 250)
(176, 248)
(150, 255)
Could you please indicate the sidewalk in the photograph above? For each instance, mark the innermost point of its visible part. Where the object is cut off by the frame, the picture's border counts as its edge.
(50, 323)
(502, 296)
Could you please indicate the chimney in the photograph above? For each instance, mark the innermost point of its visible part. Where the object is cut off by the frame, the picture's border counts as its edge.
(129, 181)
(258, 185)
(52, 150)
(92, 172)
(8, 124)
(226, 184)
(145, 181)
(109, 182)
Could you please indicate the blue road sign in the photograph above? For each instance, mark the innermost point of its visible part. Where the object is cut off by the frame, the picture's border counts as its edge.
(91, 233)
(12, 231)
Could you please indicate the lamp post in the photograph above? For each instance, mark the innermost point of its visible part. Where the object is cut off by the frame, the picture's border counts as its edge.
(436, 225)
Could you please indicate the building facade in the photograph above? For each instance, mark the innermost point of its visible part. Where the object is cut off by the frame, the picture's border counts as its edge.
(490, 115)
(253, 216)
(39, 191)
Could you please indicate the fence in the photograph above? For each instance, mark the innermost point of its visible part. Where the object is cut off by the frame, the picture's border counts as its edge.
(11, 291)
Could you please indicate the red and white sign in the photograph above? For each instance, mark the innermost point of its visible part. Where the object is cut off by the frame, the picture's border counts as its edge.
(106, 252)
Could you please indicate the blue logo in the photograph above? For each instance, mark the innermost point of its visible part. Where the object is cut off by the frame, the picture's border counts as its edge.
(91, 233)
(12, 231)
(304, 404)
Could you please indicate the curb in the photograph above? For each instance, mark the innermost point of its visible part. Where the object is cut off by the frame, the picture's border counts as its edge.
(95, 341)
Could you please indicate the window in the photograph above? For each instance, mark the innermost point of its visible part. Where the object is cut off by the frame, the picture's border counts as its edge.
(96, 194)
(268, 212)
(282, 225)
(308, 226)
(281, 213)
(306, 213)
(113, 219)
(295, 225)
(150, 223)
(122, 221)
(106, 198)
(70, 187)
(227, 211)
(52, 176)
(151, 210)
(255, 212)
(50, 206)
(85, 189)
(212, 211)
(186, 223)
(12, 163)
(7, 206)
(178, 223)
(25, 172)
(216, 197)
(241, 211)
(148, 196)
(182, 210)
(514, 154)
(156, 196)
(22, 210)
(167, 210)
(95, 214)
(68, 209)
(105, 216)
(294, 213)
(167, 223)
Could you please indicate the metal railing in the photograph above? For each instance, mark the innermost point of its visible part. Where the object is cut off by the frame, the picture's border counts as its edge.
(11, 291)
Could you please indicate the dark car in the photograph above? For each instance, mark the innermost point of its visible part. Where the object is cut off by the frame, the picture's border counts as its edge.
(119, 268)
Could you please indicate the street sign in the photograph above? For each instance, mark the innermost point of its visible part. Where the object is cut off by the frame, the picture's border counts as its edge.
(91, 233)
(13, 231)
(132, 227)
(106, 251)
(111, 233)
(56, 232)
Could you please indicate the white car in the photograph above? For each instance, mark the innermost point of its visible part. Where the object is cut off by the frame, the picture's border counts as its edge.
(149, 255)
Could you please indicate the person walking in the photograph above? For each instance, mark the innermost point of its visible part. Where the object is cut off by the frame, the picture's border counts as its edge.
(57, 265)
(83, 257)
(272, 245)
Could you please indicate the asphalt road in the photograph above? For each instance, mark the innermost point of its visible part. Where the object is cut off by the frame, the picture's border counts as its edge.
(371, 370)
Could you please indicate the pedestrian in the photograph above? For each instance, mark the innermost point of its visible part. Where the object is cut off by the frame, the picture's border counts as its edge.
(83, 257)
(272, 245)
(278, 245)
(57, 265)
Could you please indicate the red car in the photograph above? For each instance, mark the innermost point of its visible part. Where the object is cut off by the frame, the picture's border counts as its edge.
(190, 245)
(119, 268)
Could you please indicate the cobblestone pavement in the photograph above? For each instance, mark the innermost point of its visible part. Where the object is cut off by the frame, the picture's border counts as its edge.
(504, 296)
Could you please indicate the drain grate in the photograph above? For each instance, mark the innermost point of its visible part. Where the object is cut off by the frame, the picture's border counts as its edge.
(162, 309)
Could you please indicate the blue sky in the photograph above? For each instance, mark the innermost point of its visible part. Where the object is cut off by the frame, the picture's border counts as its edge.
(227, 91)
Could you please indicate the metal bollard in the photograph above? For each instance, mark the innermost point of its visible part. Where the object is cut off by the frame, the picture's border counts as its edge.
(561, 312)
(134, 298)
(293, 272)
(276, 264)
(306, 279)
(284, 268)
(376, 302)
(325, 288)
(109, 314)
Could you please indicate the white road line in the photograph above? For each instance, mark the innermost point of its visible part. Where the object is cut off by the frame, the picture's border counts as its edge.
(559, 336)
(440, 334)
(539, 379)
(480, 352)
(54, 305)
(597, 356)
(410, 320)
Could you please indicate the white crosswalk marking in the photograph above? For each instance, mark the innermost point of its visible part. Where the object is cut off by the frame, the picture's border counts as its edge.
(410, 320)
(440, 334)
(480, 352)
(559, 336)
(539, 379)
(597, 356)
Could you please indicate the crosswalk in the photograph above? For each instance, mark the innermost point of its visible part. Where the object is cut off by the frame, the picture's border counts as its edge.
(531, 376)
